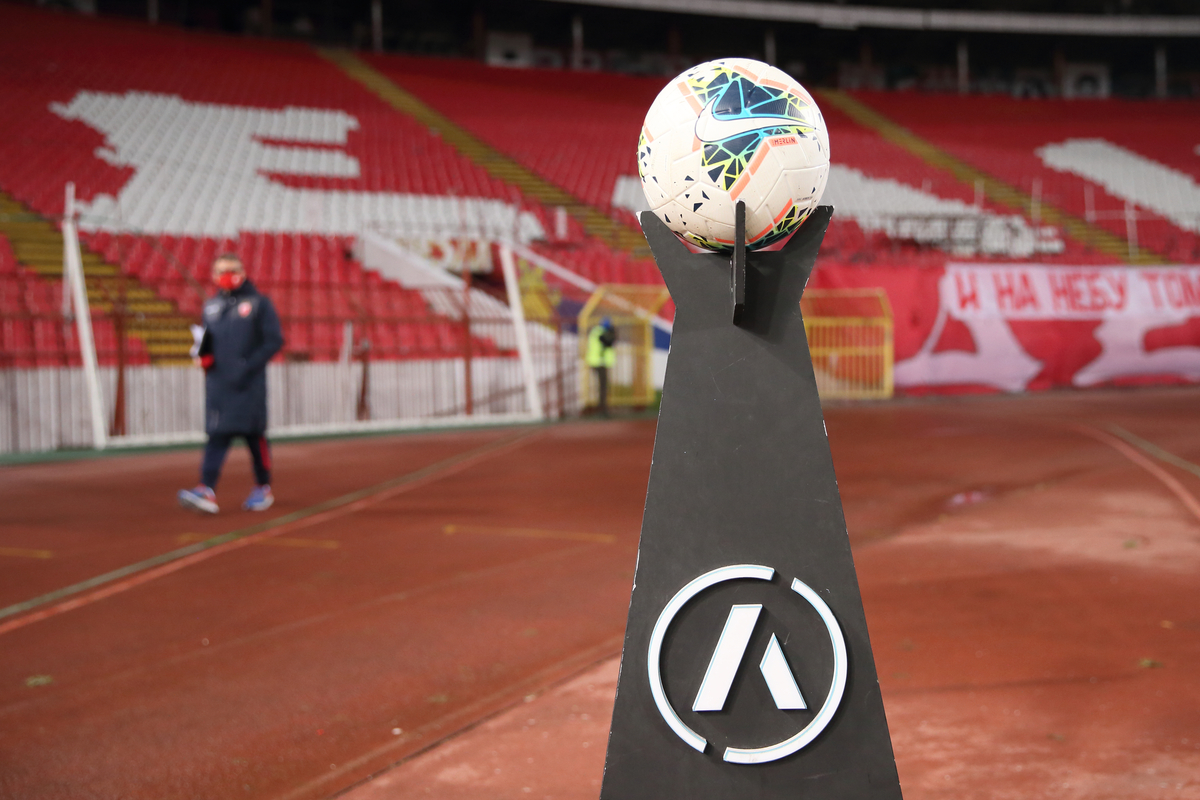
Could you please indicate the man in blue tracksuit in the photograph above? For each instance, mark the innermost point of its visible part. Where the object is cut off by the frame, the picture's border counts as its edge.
(241, 334)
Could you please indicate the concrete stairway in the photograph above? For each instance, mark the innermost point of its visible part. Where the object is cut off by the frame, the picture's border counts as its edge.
(37, 244)
(996, 189)
(617, 235)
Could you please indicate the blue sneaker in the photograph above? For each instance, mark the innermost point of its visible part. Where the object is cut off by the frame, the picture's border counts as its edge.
(260, 499)
(201, 499)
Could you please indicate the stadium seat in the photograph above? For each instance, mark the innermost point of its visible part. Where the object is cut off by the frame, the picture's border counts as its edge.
(1006, 137)
(576, 130)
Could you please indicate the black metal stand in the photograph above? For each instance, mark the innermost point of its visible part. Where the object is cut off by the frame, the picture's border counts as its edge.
(743, 512)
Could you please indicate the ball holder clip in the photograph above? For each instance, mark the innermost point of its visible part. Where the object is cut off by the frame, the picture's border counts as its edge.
(737, 264)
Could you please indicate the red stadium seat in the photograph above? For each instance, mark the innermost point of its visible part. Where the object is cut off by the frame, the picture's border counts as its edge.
(575, 130)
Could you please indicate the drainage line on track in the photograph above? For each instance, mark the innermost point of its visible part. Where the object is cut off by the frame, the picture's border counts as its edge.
(166, 563)
(1152, 449)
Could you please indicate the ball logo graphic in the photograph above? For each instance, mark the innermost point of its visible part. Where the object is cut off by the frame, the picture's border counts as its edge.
(728, 658)
(730, 130)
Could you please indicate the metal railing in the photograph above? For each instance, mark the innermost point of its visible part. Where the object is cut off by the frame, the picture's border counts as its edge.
(850, 340)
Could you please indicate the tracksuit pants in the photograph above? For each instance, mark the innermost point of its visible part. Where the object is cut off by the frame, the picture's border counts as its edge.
(218, 446)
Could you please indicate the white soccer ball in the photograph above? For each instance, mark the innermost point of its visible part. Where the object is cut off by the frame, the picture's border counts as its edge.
(729, 130)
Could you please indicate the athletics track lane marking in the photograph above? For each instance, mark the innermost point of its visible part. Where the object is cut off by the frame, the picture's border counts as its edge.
(1127, 450)
(403, 596)
(127, 577)
(276, 541)
(531, 533)
(24, 552)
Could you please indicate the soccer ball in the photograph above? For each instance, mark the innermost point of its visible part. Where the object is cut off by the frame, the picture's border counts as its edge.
(729, 130)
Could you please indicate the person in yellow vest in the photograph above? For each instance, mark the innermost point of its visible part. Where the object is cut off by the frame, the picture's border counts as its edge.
(601, 356)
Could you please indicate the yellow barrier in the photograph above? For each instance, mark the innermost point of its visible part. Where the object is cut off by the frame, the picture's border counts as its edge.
(630, 308)
(850, 338)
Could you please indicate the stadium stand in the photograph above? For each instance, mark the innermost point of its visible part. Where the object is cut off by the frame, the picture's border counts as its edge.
(174, 140)
(183, 145)
(36, 247)
(316, 286)
(1129, 145)
(32, 333)
(577, 130)
(545, 119)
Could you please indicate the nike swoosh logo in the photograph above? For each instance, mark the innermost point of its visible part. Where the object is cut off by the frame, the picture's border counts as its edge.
(711, 128)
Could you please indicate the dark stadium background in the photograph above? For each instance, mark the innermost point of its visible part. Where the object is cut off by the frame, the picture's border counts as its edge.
(632, 40)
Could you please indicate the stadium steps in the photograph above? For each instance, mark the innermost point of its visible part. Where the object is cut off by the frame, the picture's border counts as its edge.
(996, 190)
(616, 234)
(37, 245)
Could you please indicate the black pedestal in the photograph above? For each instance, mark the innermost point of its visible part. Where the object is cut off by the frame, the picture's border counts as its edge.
(746, 605)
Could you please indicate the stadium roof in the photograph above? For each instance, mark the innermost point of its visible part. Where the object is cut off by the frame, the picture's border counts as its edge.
(929, 19)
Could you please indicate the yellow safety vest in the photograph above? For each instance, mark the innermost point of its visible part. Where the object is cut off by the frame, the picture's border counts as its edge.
(597, 354)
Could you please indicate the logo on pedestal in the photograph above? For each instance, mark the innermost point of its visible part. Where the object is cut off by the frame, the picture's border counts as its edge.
(728, 657)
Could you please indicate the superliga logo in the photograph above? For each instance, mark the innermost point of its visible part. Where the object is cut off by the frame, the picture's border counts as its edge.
(728, 658)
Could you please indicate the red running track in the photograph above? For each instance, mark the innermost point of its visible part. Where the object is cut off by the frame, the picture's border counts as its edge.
(1029, 585)
(281, 668)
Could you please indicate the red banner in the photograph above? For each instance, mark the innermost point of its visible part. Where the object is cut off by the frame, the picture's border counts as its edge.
(1017, 327)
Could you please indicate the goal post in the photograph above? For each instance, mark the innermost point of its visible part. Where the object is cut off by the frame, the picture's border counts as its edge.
(73, 278)
(516, 309)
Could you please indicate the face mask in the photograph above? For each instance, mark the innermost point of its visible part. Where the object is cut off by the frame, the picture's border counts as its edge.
(229, 280)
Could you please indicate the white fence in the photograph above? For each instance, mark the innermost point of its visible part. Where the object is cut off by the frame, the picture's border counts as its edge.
(47, 408)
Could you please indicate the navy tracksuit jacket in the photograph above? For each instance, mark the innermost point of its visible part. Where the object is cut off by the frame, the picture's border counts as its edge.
(242, 333)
